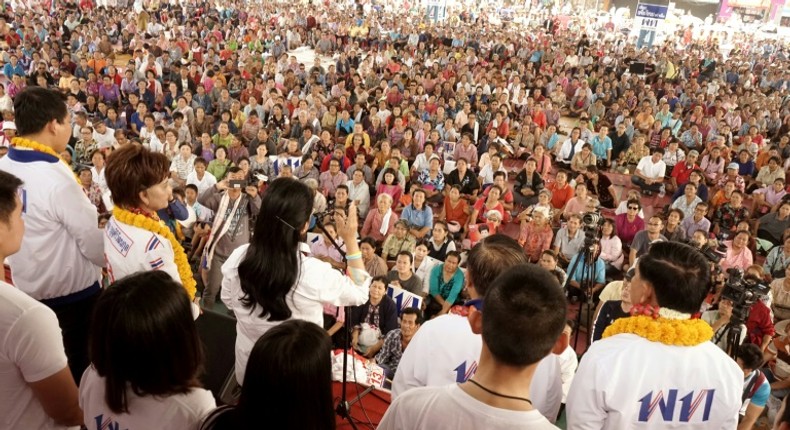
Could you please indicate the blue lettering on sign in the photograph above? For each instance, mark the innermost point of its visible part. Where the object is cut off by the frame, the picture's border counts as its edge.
(462, 373)
(689, 404)
(646, 10)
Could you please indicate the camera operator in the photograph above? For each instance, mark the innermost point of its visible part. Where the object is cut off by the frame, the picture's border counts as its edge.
(720, 319)
(236, 204)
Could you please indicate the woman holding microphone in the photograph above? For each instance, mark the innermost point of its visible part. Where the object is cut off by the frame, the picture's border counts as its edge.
(274, 278)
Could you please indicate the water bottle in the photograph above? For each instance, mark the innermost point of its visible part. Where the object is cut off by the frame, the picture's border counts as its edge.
(662, 192)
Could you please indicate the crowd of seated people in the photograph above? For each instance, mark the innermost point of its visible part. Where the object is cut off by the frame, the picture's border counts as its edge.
(437, 134)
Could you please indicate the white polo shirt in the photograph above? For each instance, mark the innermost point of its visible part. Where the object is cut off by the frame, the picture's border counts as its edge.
(650, 169)
(62, 251)
(445, 350)
(628, 382)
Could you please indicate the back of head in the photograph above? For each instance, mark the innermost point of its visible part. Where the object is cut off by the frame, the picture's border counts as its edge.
(678, 273)
(35, 107)
(271, 266)
(9, 185)
(750, 356)
(143, 336)
(490, 257)
(524, 315)
(288, 380)
(132, 169)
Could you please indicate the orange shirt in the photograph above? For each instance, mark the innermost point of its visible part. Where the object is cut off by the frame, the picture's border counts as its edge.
(457, 213)
(560, 196)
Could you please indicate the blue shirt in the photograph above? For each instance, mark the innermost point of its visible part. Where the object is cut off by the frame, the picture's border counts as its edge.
(418, 218)
(760, 397)
(10, 70)
(600, 146)
(600, 270)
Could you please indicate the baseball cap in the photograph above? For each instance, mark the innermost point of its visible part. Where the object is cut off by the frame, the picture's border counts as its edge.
(694, 152)
(733, 166)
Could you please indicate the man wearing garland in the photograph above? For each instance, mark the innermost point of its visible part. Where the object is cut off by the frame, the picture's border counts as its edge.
(657, 368)
(61, 257)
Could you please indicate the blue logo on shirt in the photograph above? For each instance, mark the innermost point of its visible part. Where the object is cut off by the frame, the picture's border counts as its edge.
(107, 424)
(666, 405)
(462, 373)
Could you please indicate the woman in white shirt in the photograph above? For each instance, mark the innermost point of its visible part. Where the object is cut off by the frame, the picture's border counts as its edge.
(274, 278)
(146, 357)
(570, 147)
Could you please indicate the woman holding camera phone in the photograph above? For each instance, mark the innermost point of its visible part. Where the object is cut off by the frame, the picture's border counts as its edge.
(274, 278)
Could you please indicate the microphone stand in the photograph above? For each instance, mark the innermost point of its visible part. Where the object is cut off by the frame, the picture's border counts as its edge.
(343, 409)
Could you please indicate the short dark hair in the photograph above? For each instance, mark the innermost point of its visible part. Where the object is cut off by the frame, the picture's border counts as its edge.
(407, 254)
(9, 185)
(143, 337)
(490, 257)
(192, 187)
(132, 169)
(678, 273)
(289, 372)
(35, 107)
(751, 356)
(524, 315)
(382, 279)
(413, 311)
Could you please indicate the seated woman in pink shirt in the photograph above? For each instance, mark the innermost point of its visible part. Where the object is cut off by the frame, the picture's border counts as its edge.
(738, 254)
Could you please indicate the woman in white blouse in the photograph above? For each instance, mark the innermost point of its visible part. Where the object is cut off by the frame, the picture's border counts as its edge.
(274, 278)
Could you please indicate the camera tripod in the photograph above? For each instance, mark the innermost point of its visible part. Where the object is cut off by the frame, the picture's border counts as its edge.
(586, 283)
(343, 408)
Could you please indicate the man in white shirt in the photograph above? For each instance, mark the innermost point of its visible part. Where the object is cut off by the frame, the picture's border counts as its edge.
(626, 381)
(650, 172)
(63, 248)
(521, 322)
(37, 390)
(104, 136)
(454, 349)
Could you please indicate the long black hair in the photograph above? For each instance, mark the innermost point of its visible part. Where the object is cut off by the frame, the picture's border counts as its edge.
(270, 268)
(144, 340)
(288, 382)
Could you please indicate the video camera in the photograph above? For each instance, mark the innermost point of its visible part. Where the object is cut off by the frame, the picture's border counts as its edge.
(592, 223)
(743, 293)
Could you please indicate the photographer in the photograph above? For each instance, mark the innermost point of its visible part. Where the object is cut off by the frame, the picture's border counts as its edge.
(719, 320)
(236, 204)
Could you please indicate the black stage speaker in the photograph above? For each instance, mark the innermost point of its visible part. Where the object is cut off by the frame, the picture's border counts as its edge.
(218, 334)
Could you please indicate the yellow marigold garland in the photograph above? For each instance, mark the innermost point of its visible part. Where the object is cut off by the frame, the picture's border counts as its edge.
(35, 146)
(154, 226)
(686, 332)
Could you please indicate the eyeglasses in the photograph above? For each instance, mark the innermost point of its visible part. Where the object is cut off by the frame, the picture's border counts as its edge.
(654, 224)
(633, 208)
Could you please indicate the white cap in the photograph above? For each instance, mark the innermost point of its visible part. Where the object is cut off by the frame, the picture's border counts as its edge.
(9, 125)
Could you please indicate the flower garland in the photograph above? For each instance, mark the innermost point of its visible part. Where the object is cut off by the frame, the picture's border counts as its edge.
(35, 146)
(662, 325)
(155, 226)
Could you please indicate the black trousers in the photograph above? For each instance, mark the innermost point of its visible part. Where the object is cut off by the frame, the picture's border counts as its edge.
(74, 320)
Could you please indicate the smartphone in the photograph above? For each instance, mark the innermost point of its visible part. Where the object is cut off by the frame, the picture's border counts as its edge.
(237, 183)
